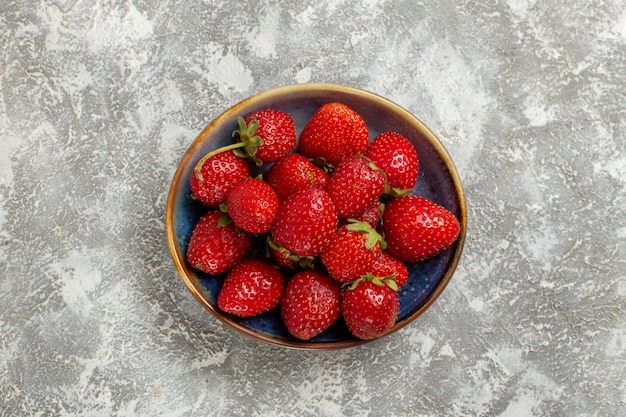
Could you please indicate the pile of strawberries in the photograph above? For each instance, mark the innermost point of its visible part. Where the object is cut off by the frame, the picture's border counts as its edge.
(325, 232)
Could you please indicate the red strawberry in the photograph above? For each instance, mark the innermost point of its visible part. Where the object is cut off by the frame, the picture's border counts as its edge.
(293, 173)
(214, 174)
(311, 304)
(416, 228)
(351, 251)
(387, 266)
(354, 185)
(252, 204)
(394, 154)
(252, 287)
(372, 214)
(305, 222)
(215, 248)
(370, 308)
(334, 132)
(266, 135)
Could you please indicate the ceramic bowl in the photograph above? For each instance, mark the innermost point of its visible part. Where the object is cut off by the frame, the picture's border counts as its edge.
(438, 180)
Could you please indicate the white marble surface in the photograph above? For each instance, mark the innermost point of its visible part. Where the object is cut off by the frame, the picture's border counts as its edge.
(99, 99)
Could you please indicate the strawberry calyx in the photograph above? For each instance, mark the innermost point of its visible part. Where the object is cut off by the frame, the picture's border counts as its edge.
(224, 219)
(248, 140)
(390, 281)
(372, 235)
(304, 262)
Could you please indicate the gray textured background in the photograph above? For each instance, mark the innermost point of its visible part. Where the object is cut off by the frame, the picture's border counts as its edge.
(98, 101)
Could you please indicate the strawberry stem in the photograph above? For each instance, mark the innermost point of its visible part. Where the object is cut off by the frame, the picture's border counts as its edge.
(198, 168)
(247, 140)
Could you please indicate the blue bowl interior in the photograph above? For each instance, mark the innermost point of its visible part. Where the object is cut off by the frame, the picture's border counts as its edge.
(435, 182)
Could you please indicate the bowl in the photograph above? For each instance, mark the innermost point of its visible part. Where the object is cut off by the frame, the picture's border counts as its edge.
(438, 181)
